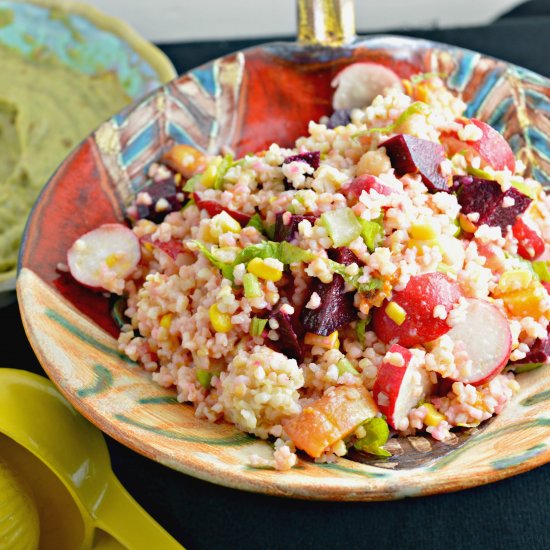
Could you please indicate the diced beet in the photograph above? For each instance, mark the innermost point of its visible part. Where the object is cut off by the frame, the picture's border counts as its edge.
(287, 232)
(213, 208)
(344, 255)
(160, 189)
(340, 117)
(539, 353)
(335, 311)
(290, 332)
(412, 155)
(313, 158)
(486, 198)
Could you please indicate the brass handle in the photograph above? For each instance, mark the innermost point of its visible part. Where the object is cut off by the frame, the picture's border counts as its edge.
(326, 22)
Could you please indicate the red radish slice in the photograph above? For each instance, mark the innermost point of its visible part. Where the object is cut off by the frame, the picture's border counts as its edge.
(484, 334)
(400, 385)
(111, 247)
(358, 84)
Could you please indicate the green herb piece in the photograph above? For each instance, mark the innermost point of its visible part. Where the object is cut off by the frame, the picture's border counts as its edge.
(353, 280)
(284, 252)
(360, 329)
(372, 232)
(191, 183)
(541, 270)
(256, 222)
(342, 226)
(376, 436)
(204, 377)
(257, 326)
(225, 164)
(252, 288)
(226, 269)
(344, 365)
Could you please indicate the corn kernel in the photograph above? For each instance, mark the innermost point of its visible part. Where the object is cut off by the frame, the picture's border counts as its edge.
(433, 416)
(166, 320)
(510, 281)
(226, 223)
(259, 268)
(111, 260)
(396, 313)
(423, 231)
(221, 322)
(327, 342)
(419, 245)
(208, 178)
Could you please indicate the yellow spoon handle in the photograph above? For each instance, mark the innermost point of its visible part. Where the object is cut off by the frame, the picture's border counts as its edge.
(125, 520)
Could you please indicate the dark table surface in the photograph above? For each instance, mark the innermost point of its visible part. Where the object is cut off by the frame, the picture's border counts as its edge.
(514, 513)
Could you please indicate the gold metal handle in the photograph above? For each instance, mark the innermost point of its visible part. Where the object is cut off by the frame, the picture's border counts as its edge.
(326, 22)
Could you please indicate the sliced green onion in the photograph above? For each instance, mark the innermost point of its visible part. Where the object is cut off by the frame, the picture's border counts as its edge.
(361, 329)
(252, 288)
(344, 365)
(257, 326)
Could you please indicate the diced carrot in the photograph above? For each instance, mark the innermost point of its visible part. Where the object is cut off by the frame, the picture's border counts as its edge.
(331, 418)
(526, 302)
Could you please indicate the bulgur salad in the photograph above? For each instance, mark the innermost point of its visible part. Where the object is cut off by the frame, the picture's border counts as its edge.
(386, 276)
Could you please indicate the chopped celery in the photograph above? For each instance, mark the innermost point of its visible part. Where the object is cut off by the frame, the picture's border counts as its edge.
(522, 187)
(252, 288)
(257, 326)
(342, 226)
(541, 270)
(190, 184)
(223, 167)
(372, 232)
(204, 377)
(344, 366)
(376, 436)
(256, 222)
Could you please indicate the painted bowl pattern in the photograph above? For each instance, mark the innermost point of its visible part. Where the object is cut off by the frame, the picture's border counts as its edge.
(246, 101)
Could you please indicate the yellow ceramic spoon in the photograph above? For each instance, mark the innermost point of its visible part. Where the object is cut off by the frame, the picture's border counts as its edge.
(65, 461)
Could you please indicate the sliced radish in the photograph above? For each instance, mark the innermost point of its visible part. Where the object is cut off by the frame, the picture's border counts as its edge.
(358, 84)
(484, 334)
(401, 383)
(111, 249)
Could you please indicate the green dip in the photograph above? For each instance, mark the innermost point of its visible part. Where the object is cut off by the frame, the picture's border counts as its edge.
(46, 109)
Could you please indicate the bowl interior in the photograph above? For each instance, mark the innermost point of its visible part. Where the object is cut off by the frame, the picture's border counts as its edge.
(247, 101)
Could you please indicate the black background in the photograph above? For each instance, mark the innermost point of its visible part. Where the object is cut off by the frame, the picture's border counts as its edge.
(514, 513)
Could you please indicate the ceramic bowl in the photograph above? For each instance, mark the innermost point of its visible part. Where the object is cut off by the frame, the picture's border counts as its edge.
(87, 41)
(248, 100)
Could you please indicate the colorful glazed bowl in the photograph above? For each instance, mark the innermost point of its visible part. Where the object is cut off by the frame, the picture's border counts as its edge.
(85, 40)
(248, 100)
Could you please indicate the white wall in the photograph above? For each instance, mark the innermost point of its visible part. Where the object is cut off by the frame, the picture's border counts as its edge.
(185, 20)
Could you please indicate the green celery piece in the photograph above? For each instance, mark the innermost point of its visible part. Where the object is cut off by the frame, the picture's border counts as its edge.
(526, 367)
(478, 173)
(416, 108)
(226, 269)
(353, 280)
(376, 436)
(190, 184)
(223, 167)
(525, 189)
(344, 366)
(342, 226)
(372, 232)
(256, 222)
(204, 377)
(541, 270)
(360, 329)
(251, 286)
(257, 326)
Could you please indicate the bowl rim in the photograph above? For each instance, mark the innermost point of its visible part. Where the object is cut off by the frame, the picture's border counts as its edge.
(239, 480)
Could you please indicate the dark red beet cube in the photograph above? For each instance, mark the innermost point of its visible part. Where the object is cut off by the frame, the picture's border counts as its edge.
(164, 189)
(539, 352)
(412, 155)
(290, 333)
(313, 158)
(344, 255)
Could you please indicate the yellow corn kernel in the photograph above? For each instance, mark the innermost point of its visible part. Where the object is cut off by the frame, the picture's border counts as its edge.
(258, 267)
(433, 416)
(419, 245)
(111, 260)
(424, 231)
(528, 302)
(328, 342)
(466, 224)
(221, 322)
(226, 223)
(166, 320)
(510, 281)
(396, 313)
(148, 246)
(208, 178)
